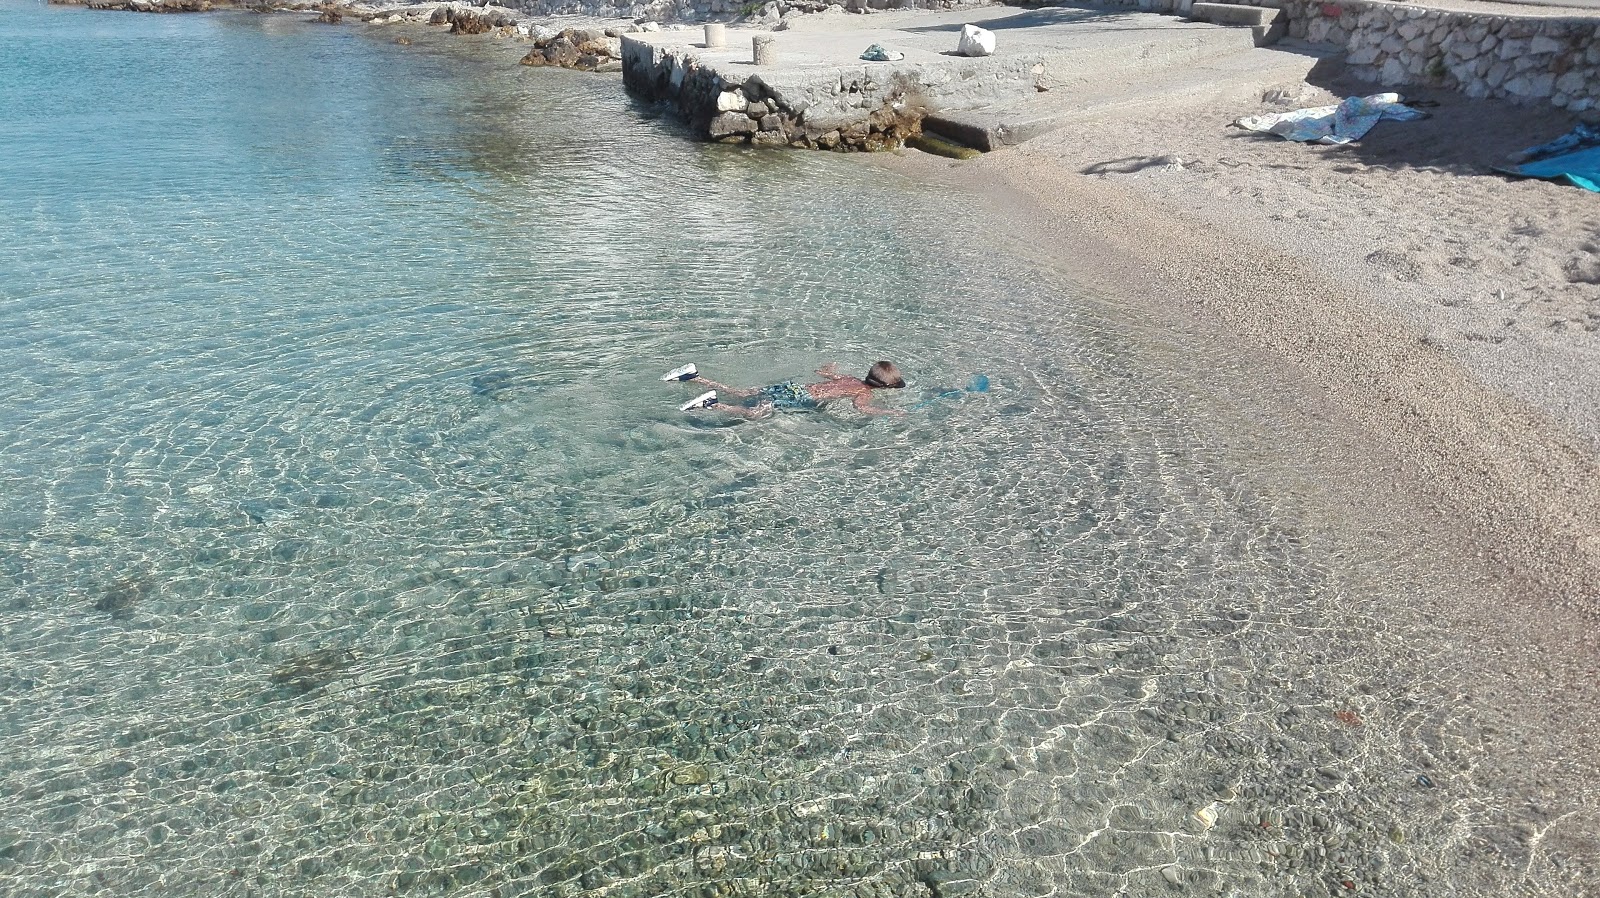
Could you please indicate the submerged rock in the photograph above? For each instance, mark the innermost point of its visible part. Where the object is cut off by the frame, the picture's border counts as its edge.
(120, 598)
(304, 673)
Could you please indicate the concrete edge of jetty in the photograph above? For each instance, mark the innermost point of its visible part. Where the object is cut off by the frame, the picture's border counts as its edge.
(815, 94)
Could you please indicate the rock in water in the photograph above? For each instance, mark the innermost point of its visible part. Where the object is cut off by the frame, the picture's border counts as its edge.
(975, 41)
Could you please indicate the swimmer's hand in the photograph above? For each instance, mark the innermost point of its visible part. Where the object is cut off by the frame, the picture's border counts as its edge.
(829, 370)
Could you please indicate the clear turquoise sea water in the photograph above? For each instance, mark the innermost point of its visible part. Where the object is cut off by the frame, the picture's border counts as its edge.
(350, 545)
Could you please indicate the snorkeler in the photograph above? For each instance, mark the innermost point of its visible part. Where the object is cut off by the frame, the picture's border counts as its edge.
(793, 396)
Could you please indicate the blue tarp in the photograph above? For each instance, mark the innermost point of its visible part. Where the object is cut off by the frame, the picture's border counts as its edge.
(1573, 157)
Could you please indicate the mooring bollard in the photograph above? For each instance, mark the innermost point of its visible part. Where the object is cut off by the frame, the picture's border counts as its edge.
(716, 35)
(762, 49)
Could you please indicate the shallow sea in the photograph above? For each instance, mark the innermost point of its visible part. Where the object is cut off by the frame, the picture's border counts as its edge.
(350, 544)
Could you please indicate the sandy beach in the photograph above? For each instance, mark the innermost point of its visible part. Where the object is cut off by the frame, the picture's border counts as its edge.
(1448, 311)
(1439, 320)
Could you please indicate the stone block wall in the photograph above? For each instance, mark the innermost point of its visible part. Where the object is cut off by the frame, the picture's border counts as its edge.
(1526, 58)
(1533, 59)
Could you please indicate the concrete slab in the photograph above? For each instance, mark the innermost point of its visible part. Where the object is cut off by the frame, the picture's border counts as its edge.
(1235, 14)
(1022, 119)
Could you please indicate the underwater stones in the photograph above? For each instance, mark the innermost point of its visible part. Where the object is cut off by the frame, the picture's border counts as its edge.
(121, 597)
(690, 775)
(312, 670)
(493, 384)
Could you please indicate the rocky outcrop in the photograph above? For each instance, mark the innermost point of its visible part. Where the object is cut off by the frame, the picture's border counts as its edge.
(464, 19)
(585, 49)
(159, 5)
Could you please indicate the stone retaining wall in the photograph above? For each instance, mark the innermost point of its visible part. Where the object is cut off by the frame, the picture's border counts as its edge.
(1533, 59)
(1525, 58)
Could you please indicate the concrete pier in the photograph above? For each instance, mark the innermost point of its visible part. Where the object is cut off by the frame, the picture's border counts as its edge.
(819, 93)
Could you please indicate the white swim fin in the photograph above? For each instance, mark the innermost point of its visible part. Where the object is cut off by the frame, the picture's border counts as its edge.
(704, 400)
(687, 372)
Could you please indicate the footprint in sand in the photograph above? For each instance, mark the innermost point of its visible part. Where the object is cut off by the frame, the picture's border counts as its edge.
(1584, 268)
(1397, 264)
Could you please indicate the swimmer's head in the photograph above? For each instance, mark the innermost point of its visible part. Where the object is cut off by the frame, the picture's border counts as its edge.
(884, 375)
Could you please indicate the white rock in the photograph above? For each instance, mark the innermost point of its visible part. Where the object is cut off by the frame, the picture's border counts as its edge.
(975, 41)
(650, 26)
(730, 100)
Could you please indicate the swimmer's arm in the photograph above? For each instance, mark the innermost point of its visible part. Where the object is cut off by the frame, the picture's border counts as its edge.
(829, 370)
(864, 405)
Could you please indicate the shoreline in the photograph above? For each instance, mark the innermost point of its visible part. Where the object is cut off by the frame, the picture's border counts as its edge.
(1522, 480)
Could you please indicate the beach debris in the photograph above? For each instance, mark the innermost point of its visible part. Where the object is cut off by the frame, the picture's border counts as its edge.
(1208, 815)
(975, 41)
(1348, 718)
(876, 53)
(1424, 781)
(1573, 157)
(1332, 125)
